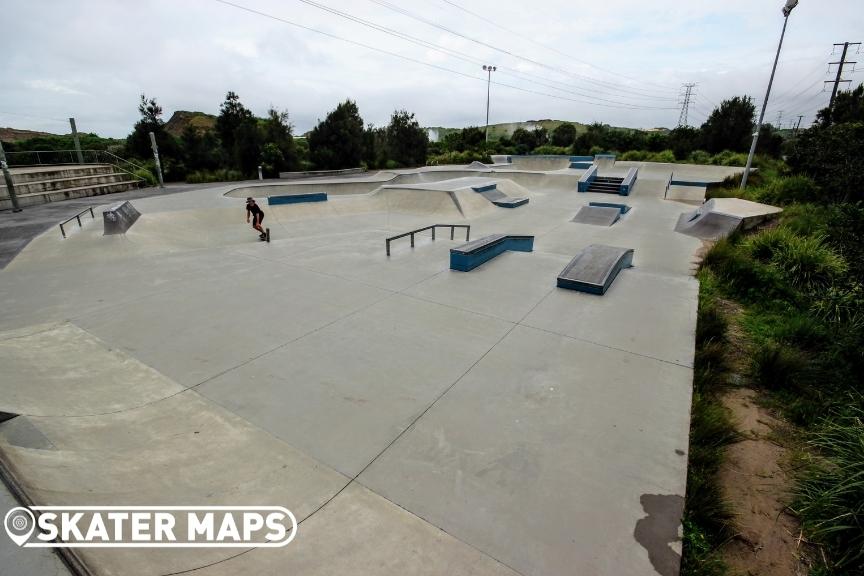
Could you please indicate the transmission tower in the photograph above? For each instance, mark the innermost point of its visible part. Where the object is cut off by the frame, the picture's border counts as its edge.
(839, 80)
(686, 99)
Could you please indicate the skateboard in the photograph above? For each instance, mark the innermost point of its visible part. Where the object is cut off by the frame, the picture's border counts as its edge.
(266, 235)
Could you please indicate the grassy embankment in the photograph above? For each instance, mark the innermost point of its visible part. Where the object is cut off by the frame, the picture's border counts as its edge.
(799, 339)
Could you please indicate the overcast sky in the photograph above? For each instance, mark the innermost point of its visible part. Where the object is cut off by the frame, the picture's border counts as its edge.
(617, 61)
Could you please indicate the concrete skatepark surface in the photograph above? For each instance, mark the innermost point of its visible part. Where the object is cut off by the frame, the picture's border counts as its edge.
(416, 420)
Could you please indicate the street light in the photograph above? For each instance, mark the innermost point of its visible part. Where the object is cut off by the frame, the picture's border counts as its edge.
(787, 10)
(489, 70)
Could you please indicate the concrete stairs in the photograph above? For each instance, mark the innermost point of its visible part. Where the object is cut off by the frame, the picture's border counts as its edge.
(607, 184)
(44, 184)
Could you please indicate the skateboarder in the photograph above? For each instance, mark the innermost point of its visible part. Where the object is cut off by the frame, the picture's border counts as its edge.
(252, 209)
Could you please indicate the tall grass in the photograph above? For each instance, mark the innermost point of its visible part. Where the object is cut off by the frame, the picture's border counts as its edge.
(707, 519)
(830, 495)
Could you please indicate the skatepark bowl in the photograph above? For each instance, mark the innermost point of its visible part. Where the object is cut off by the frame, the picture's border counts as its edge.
(415, 419)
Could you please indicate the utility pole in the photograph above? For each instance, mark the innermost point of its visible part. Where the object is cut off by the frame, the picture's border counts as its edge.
(798, 126)
(787, 10)
(10, 186)
(156, 157)
(489, 70)
(76, 140)
(779, 123)
(685, 103)
(839, 79)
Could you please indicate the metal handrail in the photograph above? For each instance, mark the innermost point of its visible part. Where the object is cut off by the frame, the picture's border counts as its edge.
(668, 185)
(76, 217)
(106, 157)
(432, 227)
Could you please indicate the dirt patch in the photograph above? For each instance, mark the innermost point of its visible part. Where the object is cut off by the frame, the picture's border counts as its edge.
(756, 485)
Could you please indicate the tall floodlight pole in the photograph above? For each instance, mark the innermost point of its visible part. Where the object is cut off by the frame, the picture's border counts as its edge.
(787, 9)
(489, 70)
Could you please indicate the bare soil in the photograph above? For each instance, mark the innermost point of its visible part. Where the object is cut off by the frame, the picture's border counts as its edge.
(756, 481)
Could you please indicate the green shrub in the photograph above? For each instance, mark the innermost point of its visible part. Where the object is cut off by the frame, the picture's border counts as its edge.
(699, 157)
(729, 158)
(711, 325)
(765, 245)
(830, 495)
(808, 263)
(634, 156)
(776, 367)
(147, 176)
(667, 156)
(550, 150)
(786, 190)
(221, 175)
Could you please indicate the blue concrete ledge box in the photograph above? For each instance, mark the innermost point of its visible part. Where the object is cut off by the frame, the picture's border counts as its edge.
(468, 256)
(297, 198)
(624, 208)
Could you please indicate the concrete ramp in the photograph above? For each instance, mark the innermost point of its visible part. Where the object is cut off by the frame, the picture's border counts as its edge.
(491, 192)
(595, 268)
(597, 215)
(720, 217)
(540, 163)
(477, 166)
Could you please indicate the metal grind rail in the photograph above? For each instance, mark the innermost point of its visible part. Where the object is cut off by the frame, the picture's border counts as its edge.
(432, 227)
(78, 218)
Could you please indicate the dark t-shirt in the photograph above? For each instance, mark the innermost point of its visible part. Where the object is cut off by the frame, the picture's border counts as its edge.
(254, 209)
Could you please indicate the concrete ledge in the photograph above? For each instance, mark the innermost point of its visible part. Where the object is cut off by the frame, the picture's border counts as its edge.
(595, 268)
(511, 203)
(119, 218)
(297, 198)
(624, 208)
(586, 179)
(468, 256)
(628, 182)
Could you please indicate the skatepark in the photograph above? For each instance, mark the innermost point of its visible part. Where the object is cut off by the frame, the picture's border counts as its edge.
(416, 419)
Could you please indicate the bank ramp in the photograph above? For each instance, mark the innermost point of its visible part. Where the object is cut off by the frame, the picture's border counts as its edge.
(597, 215)
(720, 217)
(595, 268)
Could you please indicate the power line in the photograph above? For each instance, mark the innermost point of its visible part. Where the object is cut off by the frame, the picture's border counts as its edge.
(547, 47)
(415, 60)
(507, 52)
(459, 55)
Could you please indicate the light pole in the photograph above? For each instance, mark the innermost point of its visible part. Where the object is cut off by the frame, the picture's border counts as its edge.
(787, 9)
(489, 70)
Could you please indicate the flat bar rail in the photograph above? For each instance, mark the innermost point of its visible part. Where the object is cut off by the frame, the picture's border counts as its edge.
(432, 227)
(78, 218)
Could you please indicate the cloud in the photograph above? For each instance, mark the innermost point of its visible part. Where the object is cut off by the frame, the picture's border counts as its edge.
(52, 86)
(190, 53)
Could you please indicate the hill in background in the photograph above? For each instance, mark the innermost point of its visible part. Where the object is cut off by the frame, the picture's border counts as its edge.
(18, 135)
(200, 121)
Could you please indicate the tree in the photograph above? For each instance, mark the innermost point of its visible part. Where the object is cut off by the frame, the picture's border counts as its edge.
(276, 129)
(730, 126)
(832, 157)
(524, 139)
(337, 141)
(683, 141)
(406, 141)
(232, 114)
(138, 143)
(564, 135)
(596, 135)
(201, 151)
(848, 107)
(239, 133)
(770, 141)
